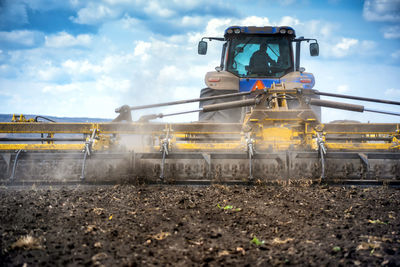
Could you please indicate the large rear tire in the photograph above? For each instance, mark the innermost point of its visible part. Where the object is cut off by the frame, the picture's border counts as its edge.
(227, 115)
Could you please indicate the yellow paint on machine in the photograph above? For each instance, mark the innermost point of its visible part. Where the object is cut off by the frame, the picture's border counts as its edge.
(79, 147)
(208, 146)
(358, 146)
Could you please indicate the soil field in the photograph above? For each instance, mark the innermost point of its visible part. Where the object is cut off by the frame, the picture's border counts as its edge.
(130, 225)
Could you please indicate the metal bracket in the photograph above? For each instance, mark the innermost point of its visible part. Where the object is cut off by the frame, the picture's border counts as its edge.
(250, 152)
(288, 164)
(365, 162)
(164, 149)
(124, 114)
(207, 158)
(322, 153)
(15, 164)
(88, 151)
(7, 159)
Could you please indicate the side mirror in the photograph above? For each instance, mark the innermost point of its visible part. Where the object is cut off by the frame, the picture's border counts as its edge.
(314, 49)
(202, 48)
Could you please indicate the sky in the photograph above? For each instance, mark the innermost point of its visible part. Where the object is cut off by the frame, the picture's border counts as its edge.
(80, 58)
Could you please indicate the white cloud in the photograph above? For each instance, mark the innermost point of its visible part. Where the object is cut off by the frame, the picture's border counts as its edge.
(64, 88)
(344, 88)
(50, 74)
(155, 9)
(170, 74)
(289, 21)
(141, 49)
(392, 92)
(343, 48)
(346, 43)
(63, 39)
(382, 10)
(391, 32)
(216, 27)
(95, 13)
(79, 68)
(109, 84)
(129, 22)
(313, 28)
(116, 64)
(168, 13)
(254, 21)
(192, 21)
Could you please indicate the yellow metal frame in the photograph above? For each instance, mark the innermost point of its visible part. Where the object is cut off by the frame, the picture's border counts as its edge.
(42, 146)
(268, 134)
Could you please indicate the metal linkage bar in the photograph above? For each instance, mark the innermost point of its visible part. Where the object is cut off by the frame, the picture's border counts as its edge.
(146, 118)
(382, 111)
(208, 108)
(118, 110)
(346, 106)
(391, 102)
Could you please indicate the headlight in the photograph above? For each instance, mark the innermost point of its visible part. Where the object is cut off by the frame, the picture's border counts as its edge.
(283, 31)
(229, 31)
(290, 31)
(237, 31)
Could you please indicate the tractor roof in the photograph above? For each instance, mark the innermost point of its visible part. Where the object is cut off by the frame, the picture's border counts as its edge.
(285, 30)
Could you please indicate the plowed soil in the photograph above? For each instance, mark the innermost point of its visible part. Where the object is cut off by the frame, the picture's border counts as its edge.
(184, 226)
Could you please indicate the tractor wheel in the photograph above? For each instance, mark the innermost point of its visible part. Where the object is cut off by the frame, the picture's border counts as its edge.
(228, 115)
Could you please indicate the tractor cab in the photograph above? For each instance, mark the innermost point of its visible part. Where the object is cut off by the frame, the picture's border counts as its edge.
(255, 58)
(264, 54)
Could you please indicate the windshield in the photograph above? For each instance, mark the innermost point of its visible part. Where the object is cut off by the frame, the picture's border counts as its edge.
(260, 56)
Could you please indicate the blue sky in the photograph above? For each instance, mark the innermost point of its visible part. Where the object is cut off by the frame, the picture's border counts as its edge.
(85, 58)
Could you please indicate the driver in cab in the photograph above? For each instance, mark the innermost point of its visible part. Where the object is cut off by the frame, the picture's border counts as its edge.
(260, 61)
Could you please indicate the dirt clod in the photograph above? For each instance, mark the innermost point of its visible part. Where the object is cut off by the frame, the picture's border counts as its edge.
(27, 242)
